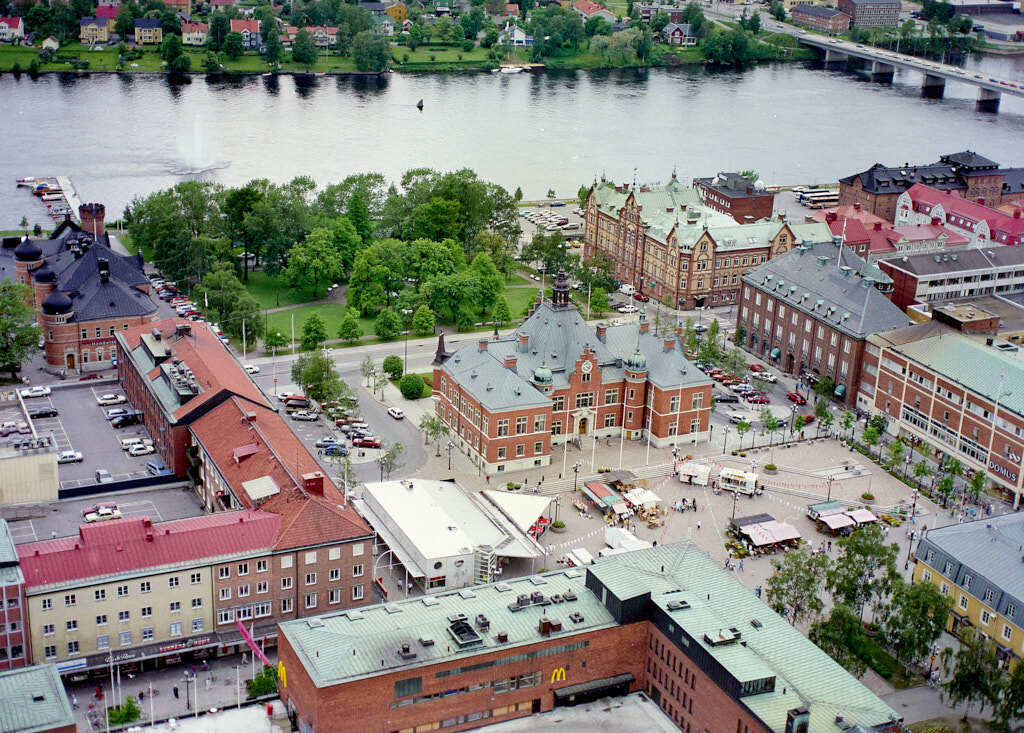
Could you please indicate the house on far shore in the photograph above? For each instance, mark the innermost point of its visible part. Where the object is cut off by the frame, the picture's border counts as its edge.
(383, 25)
(326, 36)
(109, 14)
(398, 12)
(588, 10)
(513, 35)
(148, 31)
(194, 34)
(12, 29)
(50, 43)
(250, 31)
(511, 10)
(678, 34)
(93, 31)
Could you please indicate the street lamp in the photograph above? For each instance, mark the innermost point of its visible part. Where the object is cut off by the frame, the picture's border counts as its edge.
(405, 362)
(450, 446)
(274, 357)
(725, 442)
(576, 474)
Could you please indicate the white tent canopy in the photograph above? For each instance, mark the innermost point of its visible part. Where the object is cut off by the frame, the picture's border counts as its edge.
(523, 509)
(642, 497)
(700, 472)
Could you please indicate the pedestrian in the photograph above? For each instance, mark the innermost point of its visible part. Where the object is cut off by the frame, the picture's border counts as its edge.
(741, 564)
(209, 681)
(175, 691)
(320, 451)
(141, 695)
(694, 502)
(830, 545)
(74, 702)
(698, 524)
(487, 478)
(885, 532)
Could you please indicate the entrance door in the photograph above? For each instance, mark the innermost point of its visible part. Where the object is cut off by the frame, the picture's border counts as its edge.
(583, 426)
(789, 364)
(70, 361)
(536, 705)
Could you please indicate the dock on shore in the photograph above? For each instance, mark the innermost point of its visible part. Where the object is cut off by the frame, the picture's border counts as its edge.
(57, 193)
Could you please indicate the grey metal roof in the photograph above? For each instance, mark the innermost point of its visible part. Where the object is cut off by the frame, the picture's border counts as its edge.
(963, 260)
(989, 551)
(810, 280)
(10, 570)
(896, 179)
(717, 603)
(33, 699)
(818, 10)
(968, 159)
(348, 645)
(556, 338)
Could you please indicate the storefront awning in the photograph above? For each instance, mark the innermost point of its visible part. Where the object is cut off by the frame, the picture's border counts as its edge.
(776, 353)
(862, 516)
(840, 391)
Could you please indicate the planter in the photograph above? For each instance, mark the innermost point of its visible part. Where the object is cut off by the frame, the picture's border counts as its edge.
(558, 530)
(771, 468)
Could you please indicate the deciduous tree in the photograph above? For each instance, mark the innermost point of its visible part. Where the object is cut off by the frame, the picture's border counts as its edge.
(232, 46)
(864, 572)
(316, 376)
(314, 260)
(973, 671)
(19, 336)
(841, 636)
(423, 320)
(794, 590)
(915, 618)
(387, 325)
(314, 332)
(304, 50)
(392, 366)
(370, 51)
(350, 329)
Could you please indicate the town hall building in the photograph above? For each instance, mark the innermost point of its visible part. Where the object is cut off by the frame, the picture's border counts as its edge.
(510, 400)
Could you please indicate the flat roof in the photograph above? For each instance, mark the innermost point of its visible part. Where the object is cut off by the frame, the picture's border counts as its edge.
(349, 645)
(634, 713)
(33, 699)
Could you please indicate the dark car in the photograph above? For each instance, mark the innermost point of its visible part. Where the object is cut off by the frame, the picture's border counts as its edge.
(726, 397)
(808, 418)
(124, 421)
(43, 412)
(335, 450)
(368, 442)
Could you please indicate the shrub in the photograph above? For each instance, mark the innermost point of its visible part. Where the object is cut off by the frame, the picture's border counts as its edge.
(264, 684)
(558, 524)
(769, 467)
(467, 45)
(405, 58)
(433, 57)
(867, 496)
(127, 713)
(392, 366)
(16, 69)
(411, 386)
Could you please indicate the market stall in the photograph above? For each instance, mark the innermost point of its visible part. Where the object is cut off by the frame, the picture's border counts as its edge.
(601, 495)
(644, 498)
(861, 516)
(834, 524)
(691, 472)
(761, 534)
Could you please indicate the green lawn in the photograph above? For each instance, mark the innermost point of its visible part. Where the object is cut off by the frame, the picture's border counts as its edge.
(281, 321)
(517, 280)
(441, 54)
(271, 292)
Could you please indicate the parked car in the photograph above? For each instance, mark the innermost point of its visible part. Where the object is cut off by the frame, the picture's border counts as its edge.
(103, 476)
(755, 367)
(336, 450)
(628, 308)
(141, 450)
(808, 418)
(742, 387)
(368, 442)
(104, 513)
(304, 415)
(396, 412)
(10, 427)
(124, 421)
(642, 297)
(360, 425)
(283, 396)
(768, 377)
(35, 392)
(157, 467)
(757, 398)
(87, 377)
(111, 399)
(116, 412)
(557, 203)
(796, 398)
(101, 506)
(41, 412)
(700, 328)
(326, 441)
(69, 456)
(726, 397)
(252, 369)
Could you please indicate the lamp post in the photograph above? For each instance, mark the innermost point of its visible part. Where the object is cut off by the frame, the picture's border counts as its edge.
(274, 357)
(725, 442)
(405, 362)
(575, 475)
(734, 495)
(450, 446)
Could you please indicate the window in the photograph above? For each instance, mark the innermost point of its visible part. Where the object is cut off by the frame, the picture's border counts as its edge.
(243, 567)
(70, 600)
(311, 600)
(99, 595)
(985, 617)
(197, 624)
(967, 582)
(585, 377)
(310, 578)
(172, 582)
(122, 591)
(584, 399)
(125, 637)
(176, 628)
(261, 566)
(46, 604)
(611, 396)
(286, 605)
(145, 587)
(147, 633)
(223, 572)
(286, 562)
(335, 574)
(286, 583)
(609, 420)
(72, 647)
(175, 606)
(357, 592)
(673, 404)
(225, 615)
(520, 449)
(334, 596)
(146, 611)
(243, 590)
(558, 403)
(261, 586)
(539, 423)
(357, 571)
(521, 425)
(1007, 633)
(357, 550)
(538, 448)
(50, 652)
(198, 602)
(1011, 610)
(503, 427)
(195, 578)
(963, 602)
(124, 616)
(48, 629)
(71, 624)
(101, 619)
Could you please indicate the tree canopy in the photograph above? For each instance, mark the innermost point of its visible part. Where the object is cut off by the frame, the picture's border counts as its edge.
(19, 336)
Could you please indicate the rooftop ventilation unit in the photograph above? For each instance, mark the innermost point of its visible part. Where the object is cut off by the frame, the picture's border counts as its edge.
(576, 617)
(406, 652)
(723, 638)
(426, 641)
(314, 623)
(464, 634)
(482, 622)
(678, 605)
(430, 601)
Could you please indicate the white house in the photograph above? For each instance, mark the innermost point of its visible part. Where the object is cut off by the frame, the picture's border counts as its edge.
(12, 29)
(513, 35)
(50, 43)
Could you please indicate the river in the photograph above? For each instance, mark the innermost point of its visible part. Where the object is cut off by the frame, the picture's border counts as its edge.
(121, 135)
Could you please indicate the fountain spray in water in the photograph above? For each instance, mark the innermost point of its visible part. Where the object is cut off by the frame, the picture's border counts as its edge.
(194, 157)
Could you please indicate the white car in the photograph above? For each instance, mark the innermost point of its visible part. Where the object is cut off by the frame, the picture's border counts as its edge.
(251, 369)
(283, 396)
(35, 392)
(111, 399)
(303, 415)
(69, 456)
(396, 412)
(768, 377)
(103, 513)
(628, 308)
(141, 450)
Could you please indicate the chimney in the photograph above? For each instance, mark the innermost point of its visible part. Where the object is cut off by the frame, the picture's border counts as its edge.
(510, 362)
(878, 226)
(831, 216)
(104, 269)
(524, 343)
(1016, 213)
(981, 200)
(935, 221)
(670, 343)
(856, 205)
(482, 343)
(250, 417)
(750, 191)
(313, 482)
(602, 332)
(808, 220)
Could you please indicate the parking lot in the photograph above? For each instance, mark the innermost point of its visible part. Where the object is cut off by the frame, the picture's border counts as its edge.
(81, 425)
(569, 211)
(62, 519)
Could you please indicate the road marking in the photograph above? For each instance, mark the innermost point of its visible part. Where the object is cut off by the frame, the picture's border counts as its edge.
(17, 530)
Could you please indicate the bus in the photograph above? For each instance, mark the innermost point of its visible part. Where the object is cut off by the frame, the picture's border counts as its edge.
(819, 198)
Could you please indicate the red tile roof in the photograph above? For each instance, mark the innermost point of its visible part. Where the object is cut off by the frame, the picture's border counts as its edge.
(270, 448)
(106, 11)
(922, 232)
(330, 30)
(882, 238)
(512, 9)
(12, 22)
(127, 545)
(213, 366)
(848, 211)
(195, 27)
(1005, 228)
(237, 26)
(588, 8)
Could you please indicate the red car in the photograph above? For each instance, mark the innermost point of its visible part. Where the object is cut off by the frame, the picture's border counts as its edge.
(808, 418)
(366, 442)
(87, 377)
(796, 397)
(642, 297)
(755, 368)
(756, 398)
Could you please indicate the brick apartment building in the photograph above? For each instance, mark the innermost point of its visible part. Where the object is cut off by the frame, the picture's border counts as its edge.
(955, 392)
(742, 199)
(874, 239)
(83, 292)
(15, 650)
(810, 311)
(871, 13)
(982, 224)
(556, 379)
(667, 620)
(933, 278)
(973, 176)
(821, 18)
(669, 245)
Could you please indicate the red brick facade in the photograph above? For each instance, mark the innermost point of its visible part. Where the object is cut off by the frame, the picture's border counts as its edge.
(15, 648)
(743, 205)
